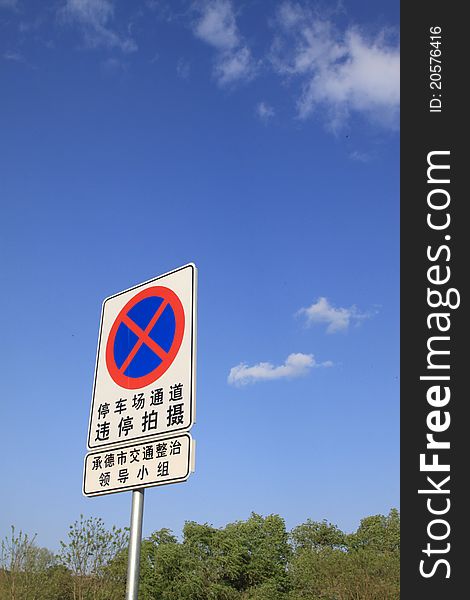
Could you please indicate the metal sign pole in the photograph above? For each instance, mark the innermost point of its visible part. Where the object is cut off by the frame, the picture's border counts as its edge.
(133, 564)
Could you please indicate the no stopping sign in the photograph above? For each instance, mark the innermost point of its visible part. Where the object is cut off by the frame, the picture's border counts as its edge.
(145, 337)
(144, 381)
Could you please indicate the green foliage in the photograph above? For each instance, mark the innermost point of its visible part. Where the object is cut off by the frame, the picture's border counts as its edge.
(87, 554)
(317, 536)
(269, 590)
(256, 559)
(28, 572)
(329, 565)
(256, 551)
(378, 532)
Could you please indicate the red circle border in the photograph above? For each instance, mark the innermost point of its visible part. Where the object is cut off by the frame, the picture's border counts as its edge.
(132, 383)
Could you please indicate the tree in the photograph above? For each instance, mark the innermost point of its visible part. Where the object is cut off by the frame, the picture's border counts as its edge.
(254, 559)
(327, 564)
(217, 564)
(150, 577)
(14, 555)
(87, 553)
(28, 572)
(255, 551)
(317, 535)
(379, 532)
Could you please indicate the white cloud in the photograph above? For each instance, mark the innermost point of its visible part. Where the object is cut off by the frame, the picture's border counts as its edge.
(113, 66)
(233, 66)
(338, 319)
(296, 365)
(264, 111)
(216, 25)
(340, 72)
(93, 17)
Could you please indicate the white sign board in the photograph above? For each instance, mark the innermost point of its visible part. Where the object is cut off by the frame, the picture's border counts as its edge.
(131, 466)
(144, 382)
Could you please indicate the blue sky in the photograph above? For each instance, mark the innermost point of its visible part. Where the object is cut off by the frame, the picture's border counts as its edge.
(258, 140)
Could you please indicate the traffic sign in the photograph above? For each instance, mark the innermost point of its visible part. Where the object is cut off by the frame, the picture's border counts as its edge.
(144, 382)
(156, 318)
(134, 466)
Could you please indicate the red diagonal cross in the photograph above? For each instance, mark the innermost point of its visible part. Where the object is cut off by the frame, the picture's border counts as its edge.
(143, 335)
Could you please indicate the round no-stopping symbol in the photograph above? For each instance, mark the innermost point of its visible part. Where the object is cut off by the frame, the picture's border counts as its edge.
(145, 337)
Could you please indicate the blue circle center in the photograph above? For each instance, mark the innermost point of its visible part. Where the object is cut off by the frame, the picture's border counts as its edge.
(162, 333)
